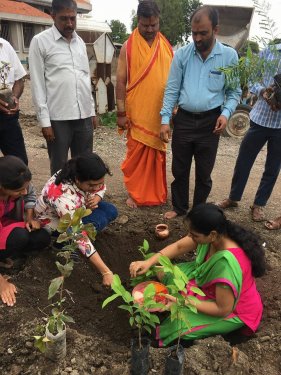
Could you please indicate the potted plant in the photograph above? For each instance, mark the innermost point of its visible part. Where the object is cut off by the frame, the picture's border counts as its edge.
(175, 358)
(52, 341)
(6, 93)
(140, 317)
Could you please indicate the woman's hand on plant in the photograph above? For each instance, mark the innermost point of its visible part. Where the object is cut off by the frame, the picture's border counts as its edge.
(138, 268)
(107, 278)
(7, 292)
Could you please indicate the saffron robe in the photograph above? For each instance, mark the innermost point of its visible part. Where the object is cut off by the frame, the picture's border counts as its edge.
(145, 165)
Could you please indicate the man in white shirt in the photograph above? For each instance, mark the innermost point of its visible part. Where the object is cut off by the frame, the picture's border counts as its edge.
(11, 138)
(61, 86)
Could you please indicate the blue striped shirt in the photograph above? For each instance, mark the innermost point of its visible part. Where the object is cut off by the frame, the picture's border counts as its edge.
(261, 113)
(197, 85)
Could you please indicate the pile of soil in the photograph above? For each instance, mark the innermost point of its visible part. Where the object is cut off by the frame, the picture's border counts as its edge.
(99, 341)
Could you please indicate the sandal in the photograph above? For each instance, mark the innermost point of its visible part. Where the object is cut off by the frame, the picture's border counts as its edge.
(257, 213)
(227, 203)
(273, 224)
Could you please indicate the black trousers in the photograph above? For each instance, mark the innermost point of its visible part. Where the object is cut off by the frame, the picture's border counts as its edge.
(20, 242)
(193, 137)
(11, 138)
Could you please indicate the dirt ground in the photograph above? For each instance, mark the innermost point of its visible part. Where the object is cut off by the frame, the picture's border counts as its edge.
(99, 341)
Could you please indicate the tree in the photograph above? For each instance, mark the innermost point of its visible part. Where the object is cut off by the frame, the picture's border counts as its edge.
(119, 31)
(174, 19)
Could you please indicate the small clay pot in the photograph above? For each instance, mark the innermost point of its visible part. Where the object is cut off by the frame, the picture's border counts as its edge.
(162, 231)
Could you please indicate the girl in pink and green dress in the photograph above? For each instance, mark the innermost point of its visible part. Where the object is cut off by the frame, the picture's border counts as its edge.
(228, 258)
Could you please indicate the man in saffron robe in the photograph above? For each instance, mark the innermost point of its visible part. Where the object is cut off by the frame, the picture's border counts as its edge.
(142, 72)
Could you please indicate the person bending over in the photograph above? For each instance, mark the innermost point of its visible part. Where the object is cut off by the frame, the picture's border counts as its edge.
(20, 233)
(228, 258)
(80, 183)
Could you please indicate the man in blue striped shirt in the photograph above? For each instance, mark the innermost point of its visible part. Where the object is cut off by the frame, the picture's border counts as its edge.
(265, 127)
(197, 87)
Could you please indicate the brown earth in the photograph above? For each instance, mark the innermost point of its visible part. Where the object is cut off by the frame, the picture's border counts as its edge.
(99, 341)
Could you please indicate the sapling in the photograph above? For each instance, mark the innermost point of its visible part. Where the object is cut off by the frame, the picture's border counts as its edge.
(181, 302)
(6, 94)
(5, 68)
(140, 317)
(250, 69)
(71, 230)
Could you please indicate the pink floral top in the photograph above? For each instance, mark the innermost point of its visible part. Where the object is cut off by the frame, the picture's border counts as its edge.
(57, 200)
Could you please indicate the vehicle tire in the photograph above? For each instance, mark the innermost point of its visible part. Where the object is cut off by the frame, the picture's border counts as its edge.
(239, 122)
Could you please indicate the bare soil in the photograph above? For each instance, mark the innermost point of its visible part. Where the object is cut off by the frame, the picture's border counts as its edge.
(99, 341)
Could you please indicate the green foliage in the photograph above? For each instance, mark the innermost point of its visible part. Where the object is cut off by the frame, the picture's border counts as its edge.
(119, 31)
(249, 43)
(174, 19)
(250, 69)
(269, 27)
(71, 230)
(177, 289)
(4, 71)
(139, 316)
(152, 272)
(108, 119)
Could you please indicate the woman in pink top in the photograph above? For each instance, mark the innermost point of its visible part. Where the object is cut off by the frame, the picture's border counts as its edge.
(19, 231)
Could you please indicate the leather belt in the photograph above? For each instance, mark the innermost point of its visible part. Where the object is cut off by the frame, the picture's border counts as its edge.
(216, 110)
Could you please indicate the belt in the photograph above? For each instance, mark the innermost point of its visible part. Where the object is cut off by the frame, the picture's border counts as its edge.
(216, 110)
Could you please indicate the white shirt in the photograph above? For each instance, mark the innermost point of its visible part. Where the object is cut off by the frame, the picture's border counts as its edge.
(60, 77)
(8, 54)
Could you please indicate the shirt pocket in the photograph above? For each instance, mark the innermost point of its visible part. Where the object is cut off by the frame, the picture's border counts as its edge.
(215, 81)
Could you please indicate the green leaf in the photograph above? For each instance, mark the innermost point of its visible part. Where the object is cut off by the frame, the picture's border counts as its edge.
(67, 319)
(127, 308)
(65, 269)
(131, 321)
(145, 245)
(54, 286)
(40, 343)
(109, 299)
(197, 291)
(149, 292)
(180, 284)
(77, 216)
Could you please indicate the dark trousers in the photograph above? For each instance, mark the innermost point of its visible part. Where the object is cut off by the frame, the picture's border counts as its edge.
(193, 137)
(76, 135)
(21, 241)
(101, 216)
(11, 138)
(256, 137)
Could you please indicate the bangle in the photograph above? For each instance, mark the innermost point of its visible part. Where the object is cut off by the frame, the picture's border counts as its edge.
(107, 273)
(121, 114)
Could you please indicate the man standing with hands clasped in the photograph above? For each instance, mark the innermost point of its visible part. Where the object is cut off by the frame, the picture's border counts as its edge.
(204, 102)
(61, 86)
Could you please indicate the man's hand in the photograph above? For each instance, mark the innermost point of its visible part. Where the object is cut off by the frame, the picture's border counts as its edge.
(269, 97)
(4, 107)
(165, 133)
(94, 122)
(123, 123)
(220, 125)
(48, 134)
